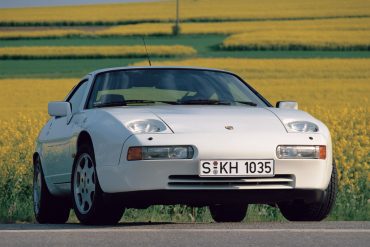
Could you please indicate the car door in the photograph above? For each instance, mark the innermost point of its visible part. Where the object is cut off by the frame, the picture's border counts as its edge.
(57, 155)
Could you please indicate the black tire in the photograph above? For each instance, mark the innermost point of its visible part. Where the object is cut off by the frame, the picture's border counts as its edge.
(48, 209)
(104, 209)
(228, 213)
(300, 211)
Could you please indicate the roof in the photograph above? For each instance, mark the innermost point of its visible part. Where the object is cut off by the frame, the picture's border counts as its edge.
(93, 73)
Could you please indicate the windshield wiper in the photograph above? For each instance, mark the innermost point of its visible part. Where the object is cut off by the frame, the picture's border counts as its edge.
(185, 102)
(132, 101)
(214, 102)
(203, 102)
(108, 104)
(246, 103)
(135, 101)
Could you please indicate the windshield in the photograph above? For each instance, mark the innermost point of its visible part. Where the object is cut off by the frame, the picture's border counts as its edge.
(170, 86)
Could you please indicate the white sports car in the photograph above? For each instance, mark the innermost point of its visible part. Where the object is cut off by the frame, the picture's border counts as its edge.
(133, 137)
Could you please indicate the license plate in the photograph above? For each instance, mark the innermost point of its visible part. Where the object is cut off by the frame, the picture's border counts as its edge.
(236, 168)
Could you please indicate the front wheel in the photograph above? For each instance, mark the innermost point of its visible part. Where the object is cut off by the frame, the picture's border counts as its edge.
(228, 213)
(91, 205)
(48, 209)
(300, 211)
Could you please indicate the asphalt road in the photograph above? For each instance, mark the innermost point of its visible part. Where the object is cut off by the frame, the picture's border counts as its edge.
(349, 234)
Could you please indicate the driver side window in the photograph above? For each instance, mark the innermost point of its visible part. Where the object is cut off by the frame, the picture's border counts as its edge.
(76, 97)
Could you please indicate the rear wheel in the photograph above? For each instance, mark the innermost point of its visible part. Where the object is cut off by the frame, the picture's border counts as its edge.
(91, 205)
(300, 211)
(48, 209)
(228, 213)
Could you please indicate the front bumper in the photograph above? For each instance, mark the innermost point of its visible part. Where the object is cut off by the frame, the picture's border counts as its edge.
(182, 175)
(201, 198)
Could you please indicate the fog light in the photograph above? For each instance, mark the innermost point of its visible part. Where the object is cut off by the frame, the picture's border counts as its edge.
(301, 152)
(160, 152)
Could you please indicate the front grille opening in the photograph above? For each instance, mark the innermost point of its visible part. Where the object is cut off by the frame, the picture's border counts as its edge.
(195, 180)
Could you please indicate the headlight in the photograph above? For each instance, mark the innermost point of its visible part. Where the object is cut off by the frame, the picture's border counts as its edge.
(301, 152)
(160, 152)
(146, 126)
(302, 126)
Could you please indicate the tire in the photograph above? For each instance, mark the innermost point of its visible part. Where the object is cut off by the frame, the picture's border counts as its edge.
(228, 213)
(300, 211)
(91, 205)
(48, 209)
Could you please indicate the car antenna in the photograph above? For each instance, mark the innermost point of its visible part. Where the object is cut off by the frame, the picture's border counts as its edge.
(147, 54)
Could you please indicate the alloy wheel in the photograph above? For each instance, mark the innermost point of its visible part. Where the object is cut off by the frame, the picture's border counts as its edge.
(84, 184)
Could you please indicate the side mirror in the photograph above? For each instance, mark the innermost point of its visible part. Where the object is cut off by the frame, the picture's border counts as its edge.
(287, 105)
(59, 109)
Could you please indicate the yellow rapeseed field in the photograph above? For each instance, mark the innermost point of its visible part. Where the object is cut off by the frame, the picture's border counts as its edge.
(93, 51)
(23, 111)
(298, 39)
(137, 29)
(343, 25)
(32, 34)
(339, 24)
(189, 10)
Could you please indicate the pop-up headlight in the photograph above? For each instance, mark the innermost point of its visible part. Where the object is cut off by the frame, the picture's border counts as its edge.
(146, 126)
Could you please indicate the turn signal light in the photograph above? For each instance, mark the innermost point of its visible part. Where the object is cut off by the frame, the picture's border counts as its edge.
(322, 151)
(160, 152)
(135, 153)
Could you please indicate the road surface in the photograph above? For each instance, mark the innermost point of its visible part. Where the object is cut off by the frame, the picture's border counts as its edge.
(349, 234)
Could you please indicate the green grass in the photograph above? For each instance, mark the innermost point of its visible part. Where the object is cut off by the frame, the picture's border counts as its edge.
(179, 213)
(20, 209)
(57, 68)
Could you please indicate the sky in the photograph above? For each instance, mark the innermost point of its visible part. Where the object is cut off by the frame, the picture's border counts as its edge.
(37, 3)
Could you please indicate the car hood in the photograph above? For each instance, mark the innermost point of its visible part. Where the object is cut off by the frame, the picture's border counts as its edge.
(208, 119)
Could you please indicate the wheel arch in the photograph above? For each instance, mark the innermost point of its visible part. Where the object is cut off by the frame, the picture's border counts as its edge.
(34, 157)
(49, 185)
(84, 138)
